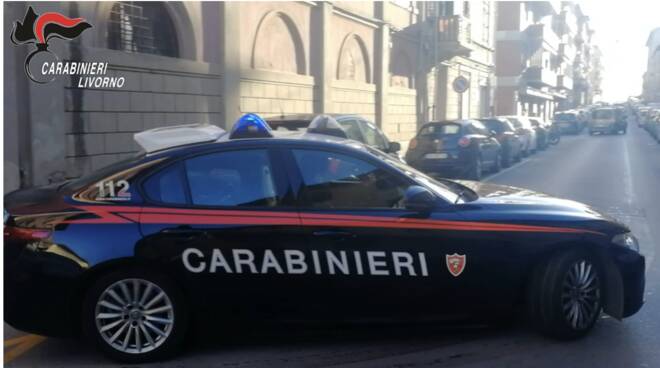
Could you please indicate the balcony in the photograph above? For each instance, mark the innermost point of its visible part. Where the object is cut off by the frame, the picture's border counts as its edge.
(539, 77)
(566, 51)
(564, 82)
(541, 35)
(454, 35)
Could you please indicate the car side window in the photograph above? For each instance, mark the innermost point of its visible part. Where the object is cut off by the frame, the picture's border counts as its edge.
(232, 178)
(332, 180)
(373, 137)
(352, 129)
(167, 185)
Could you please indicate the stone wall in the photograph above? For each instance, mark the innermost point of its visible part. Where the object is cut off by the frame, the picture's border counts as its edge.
(350, 97)
(270, 93)
(401, 116)
(159, 91)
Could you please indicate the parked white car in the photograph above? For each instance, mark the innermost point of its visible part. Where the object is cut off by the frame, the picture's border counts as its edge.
(526, 131)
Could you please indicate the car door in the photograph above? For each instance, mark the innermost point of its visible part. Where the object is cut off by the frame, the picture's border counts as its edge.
(224, 221)
(353, 217)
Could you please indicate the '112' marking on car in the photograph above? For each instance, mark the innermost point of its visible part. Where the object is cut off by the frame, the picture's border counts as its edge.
(292, 261)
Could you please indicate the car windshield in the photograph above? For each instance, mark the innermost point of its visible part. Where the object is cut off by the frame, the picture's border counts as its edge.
(449, 193)
(440, 129)
(603, 114)
(565, 117)
(516, 123)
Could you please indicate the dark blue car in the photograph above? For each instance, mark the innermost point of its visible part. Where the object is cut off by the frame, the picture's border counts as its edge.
(464, 148)
(253, 225)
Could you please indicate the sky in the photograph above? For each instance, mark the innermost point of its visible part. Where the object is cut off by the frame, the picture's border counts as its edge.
(622, 28)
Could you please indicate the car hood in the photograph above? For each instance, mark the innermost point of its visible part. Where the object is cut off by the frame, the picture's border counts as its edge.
(511, 204)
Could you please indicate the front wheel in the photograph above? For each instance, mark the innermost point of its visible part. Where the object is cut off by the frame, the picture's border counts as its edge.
(564, 295)
(135, 316)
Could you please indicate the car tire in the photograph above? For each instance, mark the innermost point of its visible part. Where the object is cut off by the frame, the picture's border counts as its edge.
(564, 295)
(153, 318)
(476, 170)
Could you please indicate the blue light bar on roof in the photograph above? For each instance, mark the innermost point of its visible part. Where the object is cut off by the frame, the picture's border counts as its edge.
(250, 126)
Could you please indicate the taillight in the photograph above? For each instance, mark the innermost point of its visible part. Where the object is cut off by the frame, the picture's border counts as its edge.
(464, 142)
(413, 143)
(22, 233)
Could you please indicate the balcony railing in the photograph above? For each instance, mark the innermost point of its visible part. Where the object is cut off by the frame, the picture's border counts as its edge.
(542, 35)
(538, 76)
(454, 35)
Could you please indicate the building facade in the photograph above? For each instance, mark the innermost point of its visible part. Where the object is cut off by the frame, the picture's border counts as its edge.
(543, 58)
(651, 86)
(209, 62)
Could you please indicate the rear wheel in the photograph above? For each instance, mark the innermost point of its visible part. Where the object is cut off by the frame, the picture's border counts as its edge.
(564, 295)
(135, 316)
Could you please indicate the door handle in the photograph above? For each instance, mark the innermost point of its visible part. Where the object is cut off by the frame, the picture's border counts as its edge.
(185, 232)
(334, 234)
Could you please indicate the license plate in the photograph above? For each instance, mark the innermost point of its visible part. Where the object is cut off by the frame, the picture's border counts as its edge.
(437, 155)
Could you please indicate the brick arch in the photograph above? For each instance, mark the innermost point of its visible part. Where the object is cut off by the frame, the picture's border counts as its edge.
(353, 63)
(278, 45)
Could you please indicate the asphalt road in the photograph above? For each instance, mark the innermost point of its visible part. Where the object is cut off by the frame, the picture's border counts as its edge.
(616, 174)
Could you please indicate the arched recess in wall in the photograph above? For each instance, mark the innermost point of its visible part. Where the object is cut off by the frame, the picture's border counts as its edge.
(353, 61)
(177, 16)
(401, 71)
(278, 45)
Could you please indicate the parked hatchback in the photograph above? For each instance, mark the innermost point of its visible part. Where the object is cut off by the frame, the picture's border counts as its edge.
(506, 135)
(526, 131)
(461, 147)
(568, 122)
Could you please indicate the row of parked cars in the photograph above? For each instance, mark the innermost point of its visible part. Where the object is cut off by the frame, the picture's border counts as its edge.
(648, 117)
(599, 118)
(456, 148)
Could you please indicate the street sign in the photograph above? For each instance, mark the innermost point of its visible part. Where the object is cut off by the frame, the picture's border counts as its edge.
(460, 84)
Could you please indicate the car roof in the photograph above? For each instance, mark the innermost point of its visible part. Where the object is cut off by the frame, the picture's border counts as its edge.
(279, 138)
(308, 117)
(457, 122)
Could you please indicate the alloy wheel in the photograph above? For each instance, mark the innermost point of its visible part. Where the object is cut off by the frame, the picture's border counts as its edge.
(134, 316)
(580, 296)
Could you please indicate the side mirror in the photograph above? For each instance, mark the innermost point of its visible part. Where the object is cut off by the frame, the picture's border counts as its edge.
(394, 147)
(418, 198)
(493, 133)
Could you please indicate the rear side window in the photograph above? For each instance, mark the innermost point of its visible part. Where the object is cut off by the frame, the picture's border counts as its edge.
(603, 114)
(232, 178)
(440, 129)
(167, 185)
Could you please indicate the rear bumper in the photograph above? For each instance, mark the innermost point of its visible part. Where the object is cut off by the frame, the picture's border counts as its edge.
(37, 295)
(443, 167)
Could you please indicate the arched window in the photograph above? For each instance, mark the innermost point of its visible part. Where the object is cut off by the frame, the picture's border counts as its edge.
(278, 45)
(143, 27)
(354, 60)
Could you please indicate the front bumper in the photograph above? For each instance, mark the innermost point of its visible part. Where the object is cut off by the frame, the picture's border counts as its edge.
(631, 267)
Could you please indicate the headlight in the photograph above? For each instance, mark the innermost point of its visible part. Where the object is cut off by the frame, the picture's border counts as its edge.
(626, 240)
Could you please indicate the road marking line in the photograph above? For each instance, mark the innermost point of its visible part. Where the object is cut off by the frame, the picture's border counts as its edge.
(20, 346)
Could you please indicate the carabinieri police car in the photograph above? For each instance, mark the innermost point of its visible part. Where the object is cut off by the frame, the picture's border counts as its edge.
(304, 226)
